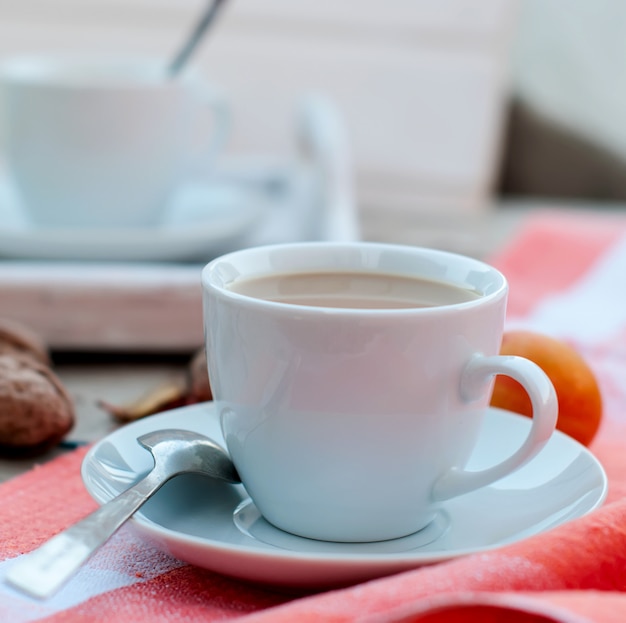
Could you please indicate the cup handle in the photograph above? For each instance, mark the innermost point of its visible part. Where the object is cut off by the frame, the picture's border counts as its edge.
(218, 104)
(480, 371)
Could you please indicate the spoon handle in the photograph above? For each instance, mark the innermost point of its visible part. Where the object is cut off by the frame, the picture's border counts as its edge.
(195, 37)
(42, 572)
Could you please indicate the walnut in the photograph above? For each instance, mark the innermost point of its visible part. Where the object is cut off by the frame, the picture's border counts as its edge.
(17, 339)
(36, 411)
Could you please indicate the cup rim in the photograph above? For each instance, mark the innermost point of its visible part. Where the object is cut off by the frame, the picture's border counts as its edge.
(50, 71)
(209, 282)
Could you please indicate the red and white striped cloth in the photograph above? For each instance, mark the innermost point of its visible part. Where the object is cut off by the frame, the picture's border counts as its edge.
(567, 273)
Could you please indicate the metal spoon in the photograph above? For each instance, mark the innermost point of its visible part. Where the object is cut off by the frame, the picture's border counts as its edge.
(42, 572)
(196, 35)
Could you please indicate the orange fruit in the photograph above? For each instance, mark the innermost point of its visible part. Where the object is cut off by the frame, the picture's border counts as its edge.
(577, 390)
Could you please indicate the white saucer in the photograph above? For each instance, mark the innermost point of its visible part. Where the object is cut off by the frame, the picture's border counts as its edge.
(203, 220)
(216, 526)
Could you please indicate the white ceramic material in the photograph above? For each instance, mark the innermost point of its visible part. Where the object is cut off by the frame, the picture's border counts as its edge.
(216, 526)
(332, 415)
(105, 141)
(201, 221)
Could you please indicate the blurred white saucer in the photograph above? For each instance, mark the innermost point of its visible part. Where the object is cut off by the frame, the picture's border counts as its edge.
(203, 220)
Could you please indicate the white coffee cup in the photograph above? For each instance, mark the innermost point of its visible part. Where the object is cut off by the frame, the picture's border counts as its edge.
(105, 142)
(355, 424)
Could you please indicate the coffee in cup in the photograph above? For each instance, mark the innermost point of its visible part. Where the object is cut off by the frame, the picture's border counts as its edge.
(352, 290)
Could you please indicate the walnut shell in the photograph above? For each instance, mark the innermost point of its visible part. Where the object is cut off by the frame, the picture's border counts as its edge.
(15, 338)
(36, 411)
(199, 385)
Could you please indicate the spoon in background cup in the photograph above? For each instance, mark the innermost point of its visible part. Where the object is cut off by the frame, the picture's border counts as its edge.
(194, 38)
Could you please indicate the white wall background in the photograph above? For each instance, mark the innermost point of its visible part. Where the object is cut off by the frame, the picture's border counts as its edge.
(569, 63)
(421, 85)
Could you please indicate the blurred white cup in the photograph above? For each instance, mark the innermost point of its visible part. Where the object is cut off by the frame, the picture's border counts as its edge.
(105, 142)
